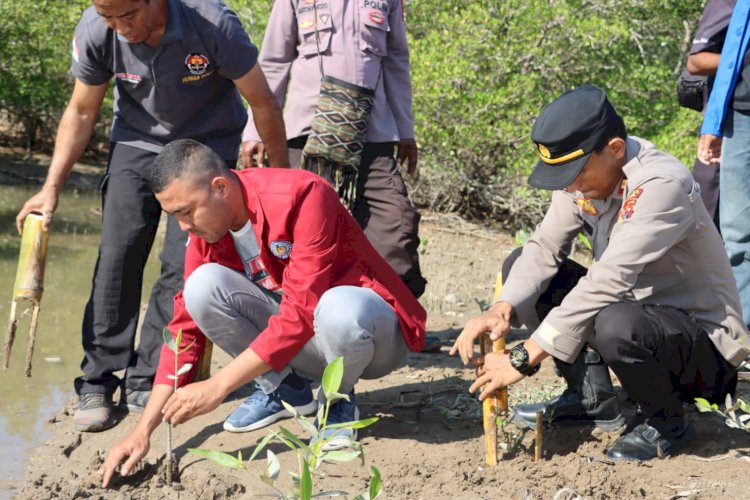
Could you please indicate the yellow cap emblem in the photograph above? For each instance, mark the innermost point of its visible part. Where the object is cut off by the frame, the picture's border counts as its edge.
(544, 151)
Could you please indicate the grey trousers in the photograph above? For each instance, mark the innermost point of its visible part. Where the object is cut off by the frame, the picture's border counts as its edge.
(349, 321)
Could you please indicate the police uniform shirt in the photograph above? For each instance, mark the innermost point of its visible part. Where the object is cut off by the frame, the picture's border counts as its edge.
(182, 88)
(360, 41)
(653, 242)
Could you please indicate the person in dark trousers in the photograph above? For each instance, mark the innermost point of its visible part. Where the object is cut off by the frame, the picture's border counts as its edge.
(725, 138)
(362, 43)
(179, 68)
(658, 307)
(703, 60)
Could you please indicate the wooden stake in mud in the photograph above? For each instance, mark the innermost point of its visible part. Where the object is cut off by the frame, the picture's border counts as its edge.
(204, 365)
(497, 402)
(538, 439)
(29, 284)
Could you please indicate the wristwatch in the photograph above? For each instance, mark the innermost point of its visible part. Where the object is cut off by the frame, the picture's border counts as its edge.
(519, 359)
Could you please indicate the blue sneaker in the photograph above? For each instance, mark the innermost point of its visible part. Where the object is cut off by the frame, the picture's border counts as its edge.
(339, 412)
(261, 409)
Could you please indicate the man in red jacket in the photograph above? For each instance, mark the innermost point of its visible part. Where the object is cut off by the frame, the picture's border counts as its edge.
(253, 234)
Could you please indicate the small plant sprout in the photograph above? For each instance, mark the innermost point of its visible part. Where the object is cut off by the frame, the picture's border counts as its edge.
(174, 346)
(510, 436)
(731, 412)
(309, 455)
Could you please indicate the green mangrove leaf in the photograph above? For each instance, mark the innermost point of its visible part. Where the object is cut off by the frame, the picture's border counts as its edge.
(291, 409)
(306, 424)
(340, 456)
(703, 405)
(375, 482)
(273, 466)
(219, 458)
(332, 377)
(263, 442)
(292, 437)
(355, 424)
(305, 482)
(178, 341)
(168, 339)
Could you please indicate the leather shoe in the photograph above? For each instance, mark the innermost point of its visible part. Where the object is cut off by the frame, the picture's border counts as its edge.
(645, 442)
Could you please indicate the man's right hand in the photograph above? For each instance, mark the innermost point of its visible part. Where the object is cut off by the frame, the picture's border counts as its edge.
(133, 448)
(44, 203)
(709, 149)
(252, 154)
(495, 321)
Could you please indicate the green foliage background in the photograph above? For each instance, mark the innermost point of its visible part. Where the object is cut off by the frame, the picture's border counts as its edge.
(35, 39)
(481, 70)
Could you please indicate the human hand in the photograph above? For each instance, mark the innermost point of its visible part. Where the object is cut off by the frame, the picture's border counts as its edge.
(44, 203)
(407, 150)
(134, 447)
(495, 320)
(252, 154)
(709, 149)
(494, 372)
(192, 400)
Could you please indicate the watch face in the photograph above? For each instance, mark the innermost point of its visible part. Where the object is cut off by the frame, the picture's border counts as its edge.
(518, 357)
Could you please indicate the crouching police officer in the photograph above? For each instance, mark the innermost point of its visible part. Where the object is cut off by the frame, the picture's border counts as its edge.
(659, 306)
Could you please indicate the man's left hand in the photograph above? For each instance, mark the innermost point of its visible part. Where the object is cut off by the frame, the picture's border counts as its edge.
(494, 372)
(407, 150)
(192, 400)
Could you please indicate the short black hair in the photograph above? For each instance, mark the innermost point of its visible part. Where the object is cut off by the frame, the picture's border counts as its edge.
(616, 129)
(189, 160)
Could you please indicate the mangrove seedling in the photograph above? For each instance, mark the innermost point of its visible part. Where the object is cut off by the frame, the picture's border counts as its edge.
(736, 414)
(310, 455)
(174, 346)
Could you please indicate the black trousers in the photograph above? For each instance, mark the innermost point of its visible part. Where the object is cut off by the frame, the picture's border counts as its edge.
(130, 217)
(383, 210)
(661, 354)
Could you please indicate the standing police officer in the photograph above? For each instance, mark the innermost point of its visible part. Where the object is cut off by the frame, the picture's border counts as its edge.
(659, 306)
(178, 66)
(361, 42)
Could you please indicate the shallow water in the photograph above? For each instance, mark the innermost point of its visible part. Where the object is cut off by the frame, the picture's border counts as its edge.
(27, 403)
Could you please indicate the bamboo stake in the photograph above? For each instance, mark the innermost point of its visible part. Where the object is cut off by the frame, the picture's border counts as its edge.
(32, 339)
(10, 335)
(538, 440)
(497, 402)
(204, 365)
(29, 284)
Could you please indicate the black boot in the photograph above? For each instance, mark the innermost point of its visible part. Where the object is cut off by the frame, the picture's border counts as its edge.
(646, 441)
(589, 399)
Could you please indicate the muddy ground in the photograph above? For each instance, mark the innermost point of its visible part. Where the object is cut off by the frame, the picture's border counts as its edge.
(429, 441)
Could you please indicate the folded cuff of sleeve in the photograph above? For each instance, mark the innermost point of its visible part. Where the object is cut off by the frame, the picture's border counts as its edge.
(556, 343)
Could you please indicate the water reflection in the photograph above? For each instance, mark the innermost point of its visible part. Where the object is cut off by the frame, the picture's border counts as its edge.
(26, 403)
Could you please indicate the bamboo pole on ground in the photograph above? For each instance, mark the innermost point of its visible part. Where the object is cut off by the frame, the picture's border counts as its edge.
(29, 284)
(497, 402)
(538, 439)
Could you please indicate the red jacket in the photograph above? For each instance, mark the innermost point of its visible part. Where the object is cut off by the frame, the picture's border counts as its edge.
(328, 249)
